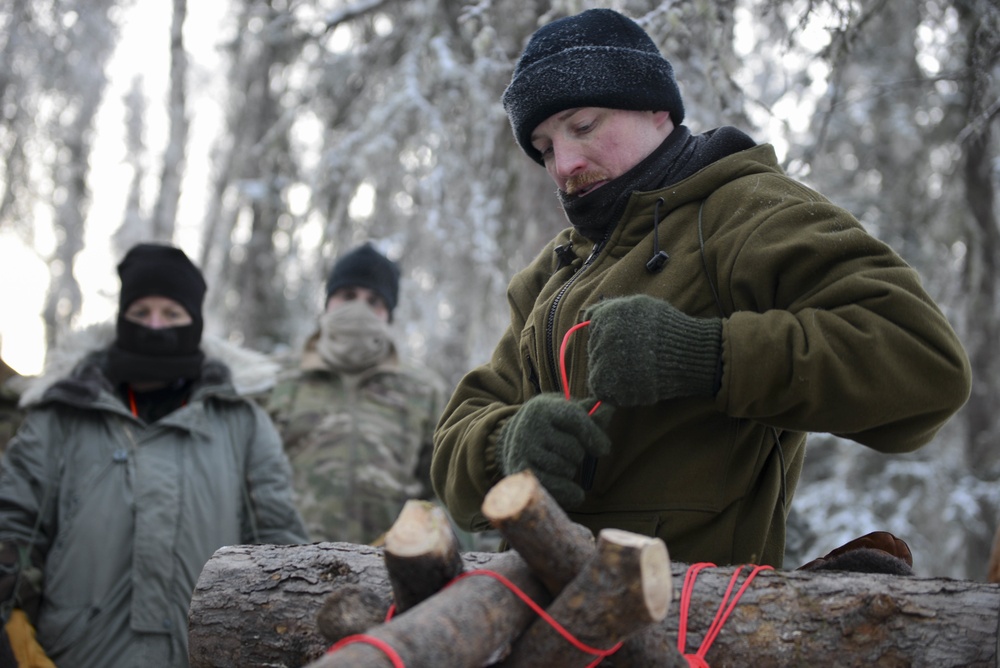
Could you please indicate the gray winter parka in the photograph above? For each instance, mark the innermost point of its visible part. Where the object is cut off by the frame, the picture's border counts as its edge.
(124, 514)
(825, 329)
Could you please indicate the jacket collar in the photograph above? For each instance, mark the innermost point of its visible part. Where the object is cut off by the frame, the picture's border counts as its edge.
(636, 222)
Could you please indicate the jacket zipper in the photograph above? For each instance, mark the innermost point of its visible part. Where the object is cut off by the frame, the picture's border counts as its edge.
(589, 466)
(550, 324)
(126, 457)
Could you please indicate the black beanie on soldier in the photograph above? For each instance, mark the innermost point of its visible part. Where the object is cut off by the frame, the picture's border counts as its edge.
(365, 267)
(144, 354)
(598, 58)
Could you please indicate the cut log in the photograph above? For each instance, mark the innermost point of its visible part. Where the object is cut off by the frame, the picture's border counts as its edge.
(421, 553)
(349, 610)
(254, 605)
(623, 588)
(556, 549)
(470, 623)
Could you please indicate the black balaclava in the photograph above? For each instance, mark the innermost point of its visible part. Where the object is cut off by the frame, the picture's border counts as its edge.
(679, 156)
(140, 353)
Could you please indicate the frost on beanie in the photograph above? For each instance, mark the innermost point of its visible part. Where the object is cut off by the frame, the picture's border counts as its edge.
(598, 58)
(365, 267)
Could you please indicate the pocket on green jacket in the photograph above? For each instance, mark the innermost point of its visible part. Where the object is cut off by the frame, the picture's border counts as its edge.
(645, 524)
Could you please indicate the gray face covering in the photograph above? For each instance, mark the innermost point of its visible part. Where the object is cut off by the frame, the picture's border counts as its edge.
(352, 338)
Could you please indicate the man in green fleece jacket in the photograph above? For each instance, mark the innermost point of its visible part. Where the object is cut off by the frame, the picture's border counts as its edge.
(730, 311)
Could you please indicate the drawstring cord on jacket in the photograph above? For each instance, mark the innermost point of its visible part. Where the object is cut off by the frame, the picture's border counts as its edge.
(660, 257)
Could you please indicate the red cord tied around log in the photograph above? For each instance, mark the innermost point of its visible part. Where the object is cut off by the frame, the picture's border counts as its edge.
(397, 662)
(697, 660)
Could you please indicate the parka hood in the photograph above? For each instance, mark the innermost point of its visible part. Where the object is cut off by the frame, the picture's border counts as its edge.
(79, 353)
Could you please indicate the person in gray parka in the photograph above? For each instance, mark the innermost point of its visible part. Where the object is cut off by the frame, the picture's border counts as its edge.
(128, 473)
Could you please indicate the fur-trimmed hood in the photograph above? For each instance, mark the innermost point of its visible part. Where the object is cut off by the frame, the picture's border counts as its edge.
(251, 371)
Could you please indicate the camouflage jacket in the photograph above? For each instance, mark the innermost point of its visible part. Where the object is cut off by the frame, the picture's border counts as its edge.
(360, 444)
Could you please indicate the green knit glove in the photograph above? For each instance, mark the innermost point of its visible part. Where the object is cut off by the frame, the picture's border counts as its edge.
(642, 351)
(551, 435)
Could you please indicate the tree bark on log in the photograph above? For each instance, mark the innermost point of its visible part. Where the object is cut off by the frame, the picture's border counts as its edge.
(255, 605)
(350, 609)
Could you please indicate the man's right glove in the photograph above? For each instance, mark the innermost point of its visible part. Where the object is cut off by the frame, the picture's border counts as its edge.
(551, 435)
(642, 351)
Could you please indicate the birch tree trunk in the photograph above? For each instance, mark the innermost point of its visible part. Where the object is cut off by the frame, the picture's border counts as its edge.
(165, 212)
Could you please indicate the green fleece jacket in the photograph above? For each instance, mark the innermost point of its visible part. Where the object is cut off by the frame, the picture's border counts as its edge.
(825, 329)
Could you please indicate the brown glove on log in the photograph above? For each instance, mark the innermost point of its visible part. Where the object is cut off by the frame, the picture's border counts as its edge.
(889, 554)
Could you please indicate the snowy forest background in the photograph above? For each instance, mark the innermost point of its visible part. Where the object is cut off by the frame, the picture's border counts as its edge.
(318, 124)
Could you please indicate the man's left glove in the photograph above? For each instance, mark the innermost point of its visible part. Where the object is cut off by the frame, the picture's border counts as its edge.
(642, 351)
(551, 435)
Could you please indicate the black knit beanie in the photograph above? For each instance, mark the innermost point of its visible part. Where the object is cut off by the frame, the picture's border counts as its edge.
(365, 267)
(598, 58)
(164, 271)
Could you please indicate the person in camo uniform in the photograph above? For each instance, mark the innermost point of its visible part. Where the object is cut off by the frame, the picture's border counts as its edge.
(356, 421)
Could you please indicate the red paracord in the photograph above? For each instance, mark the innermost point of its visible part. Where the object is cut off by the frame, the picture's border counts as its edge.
(601, 654)
(562, 362)
(397, 662)
(697, 660)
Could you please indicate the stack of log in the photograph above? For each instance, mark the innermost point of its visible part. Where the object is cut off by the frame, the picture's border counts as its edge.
(601, 594)
(285, 605)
